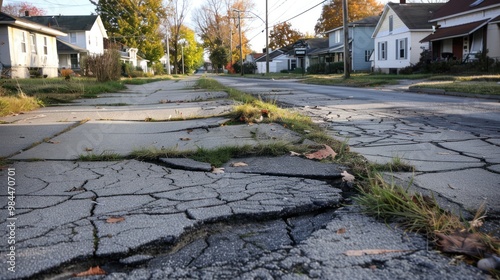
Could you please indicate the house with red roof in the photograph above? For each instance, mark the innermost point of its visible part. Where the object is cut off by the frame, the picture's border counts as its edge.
(464, 28)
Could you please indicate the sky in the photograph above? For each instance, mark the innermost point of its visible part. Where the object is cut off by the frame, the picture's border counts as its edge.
(279, 11)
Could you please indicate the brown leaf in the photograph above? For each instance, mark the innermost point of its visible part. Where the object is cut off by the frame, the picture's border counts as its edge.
(322, 154)
(95, 270)
(53, 142)
(346, 177)
(114, 220)
(89, 149)
(341, 231)
(463, 243)
(357, 253)
(185, 139)
(238, 164)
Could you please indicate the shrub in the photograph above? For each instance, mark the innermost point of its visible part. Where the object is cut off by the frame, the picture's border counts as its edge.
(105, 67)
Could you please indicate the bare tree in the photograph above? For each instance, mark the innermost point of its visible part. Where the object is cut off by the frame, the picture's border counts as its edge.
(176, 10)
(216, 23)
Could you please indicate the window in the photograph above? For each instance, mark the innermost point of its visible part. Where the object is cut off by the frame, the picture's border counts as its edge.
(337, 36)
(368, 54)
(23, 42)
(401, 48)
(391, 23)
(33, 43)
(45, 47)
(382, 50)
(74, 60)
(72, 37)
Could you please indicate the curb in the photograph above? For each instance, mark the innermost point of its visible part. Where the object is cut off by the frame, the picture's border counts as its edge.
(451, 93)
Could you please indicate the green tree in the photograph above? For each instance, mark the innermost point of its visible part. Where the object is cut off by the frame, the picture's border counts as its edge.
(193, 51)
(134, 23)
(219, 57)
(283, 35)
(331, 15)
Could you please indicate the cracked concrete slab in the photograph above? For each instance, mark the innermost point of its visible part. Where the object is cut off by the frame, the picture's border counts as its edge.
(158, 97)
(18, 137)
(122, 138)
(150, 205)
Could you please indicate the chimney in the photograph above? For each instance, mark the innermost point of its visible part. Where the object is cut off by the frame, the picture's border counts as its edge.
(402, 1)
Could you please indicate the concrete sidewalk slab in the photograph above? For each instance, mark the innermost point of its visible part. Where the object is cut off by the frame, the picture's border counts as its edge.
(159, 97)
(287, 166)
(17, 137)
(127, 113)
(123, 138)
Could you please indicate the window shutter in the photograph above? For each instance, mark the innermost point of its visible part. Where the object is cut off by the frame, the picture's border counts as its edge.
(407, 48)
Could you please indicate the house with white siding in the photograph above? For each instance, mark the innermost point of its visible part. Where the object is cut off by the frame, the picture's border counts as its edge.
(84, 35)
(465, 28)
(399, 33)
(27, 49)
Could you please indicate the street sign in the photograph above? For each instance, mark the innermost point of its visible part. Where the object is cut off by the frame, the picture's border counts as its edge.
(300, 52)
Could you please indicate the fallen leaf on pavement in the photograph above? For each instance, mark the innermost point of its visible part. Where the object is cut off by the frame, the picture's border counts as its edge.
(114, 220)
(185, 139)
(322, 154)
(471, 244)
(95, 270)
(356, 253)
(217, 170)
(89, 149)
(346, 177)
(341, 231)
(238, 164)
(53, 142)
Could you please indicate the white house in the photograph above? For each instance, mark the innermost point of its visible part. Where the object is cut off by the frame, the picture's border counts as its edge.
(27, 48)
(463, 28)
(278, 61)
(398, 34)
(82, 32)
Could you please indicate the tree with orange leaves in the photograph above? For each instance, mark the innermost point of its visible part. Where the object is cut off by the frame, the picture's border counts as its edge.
(331, 16)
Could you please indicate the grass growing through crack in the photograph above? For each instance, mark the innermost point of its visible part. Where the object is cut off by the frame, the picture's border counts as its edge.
(397, 164)
(218, 156)
(104, 156)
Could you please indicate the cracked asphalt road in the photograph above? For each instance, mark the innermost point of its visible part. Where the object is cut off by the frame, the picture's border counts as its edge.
(141, 220)
(453, 142)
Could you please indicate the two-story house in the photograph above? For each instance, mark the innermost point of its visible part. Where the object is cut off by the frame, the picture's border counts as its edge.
(464, 28)
(84, 36)
(361, 44)
(27, 48)
(398, 34)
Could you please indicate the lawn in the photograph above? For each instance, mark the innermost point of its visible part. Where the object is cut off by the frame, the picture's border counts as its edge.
(18, 95)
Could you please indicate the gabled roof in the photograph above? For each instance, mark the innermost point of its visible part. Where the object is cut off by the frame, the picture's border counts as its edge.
(457, 7)
(272, 55)
(415, 15)
(69, 23)
(367, 21)
(29, 25)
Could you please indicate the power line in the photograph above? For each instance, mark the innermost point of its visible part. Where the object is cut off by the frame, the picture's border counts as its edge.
(301, 13)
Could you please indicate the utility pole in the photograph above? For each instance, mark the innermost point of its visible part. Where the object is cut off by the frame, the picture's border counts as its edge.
(241, 47)
(267, 38)
(347, 57)
(168, 54)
